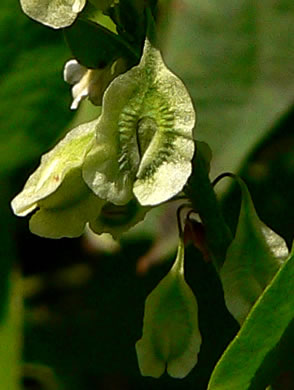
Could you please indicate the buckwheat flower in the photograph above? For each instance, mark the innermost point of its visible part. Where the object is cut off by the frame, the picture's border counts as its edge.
(144, 136)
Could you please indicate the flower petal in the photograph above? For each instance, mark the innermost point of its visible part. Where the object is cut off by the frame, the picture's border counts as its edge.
(73, 72)
(66, 212)
(106, 170)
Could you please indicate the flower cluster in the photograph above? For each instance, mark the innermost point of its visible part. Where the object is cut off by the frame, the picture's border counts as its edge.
(137, 154)
(109, 172)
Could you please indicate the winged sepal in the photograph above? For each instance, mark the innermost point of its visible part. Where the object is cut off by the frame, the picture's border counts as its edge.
(144, 141)
(171, 338)
(53, 13)
(252, 259)
(57, 189)
(116, 220)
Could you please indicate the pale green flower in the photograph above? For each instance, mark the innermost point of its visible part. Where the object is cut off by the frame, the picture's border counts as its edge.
(62, 202)
(56, 190)
(171, 339)
(137, 153)
(144, 138)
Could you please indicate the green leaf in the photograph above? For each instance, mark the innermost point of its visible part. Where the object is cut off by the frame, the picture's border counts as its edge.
(103, 46)
(53, 13)
(57, 188)
(260, 333)
(144, 141)
(97, 15)
(252, 259)
(171, 336)
(129, 17)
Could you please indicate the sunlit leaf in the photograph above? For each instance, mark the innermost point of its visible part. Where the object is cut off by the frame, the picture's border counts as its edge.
(171, 338)
(253, 258)
(261, 332)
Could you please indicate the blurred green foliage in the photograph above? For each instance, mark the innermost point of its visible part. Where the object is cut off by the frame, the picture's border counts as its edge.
(34, 98)
(237, 60)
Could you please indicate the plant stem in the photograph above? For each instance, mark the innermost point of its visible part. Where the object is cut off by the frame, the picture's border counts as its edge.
(202, 196)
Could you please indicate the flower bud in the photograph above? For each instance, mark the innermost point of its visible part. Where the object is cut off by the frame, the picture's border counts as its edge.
(171, 338)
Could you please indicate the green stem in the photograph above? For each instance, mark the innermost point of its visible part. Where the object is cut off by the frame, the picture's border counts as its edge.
(202, 196)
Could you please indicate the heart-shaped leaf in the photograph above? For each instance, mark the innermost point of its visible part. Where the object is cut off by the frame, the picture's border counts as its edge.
(252, 259)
